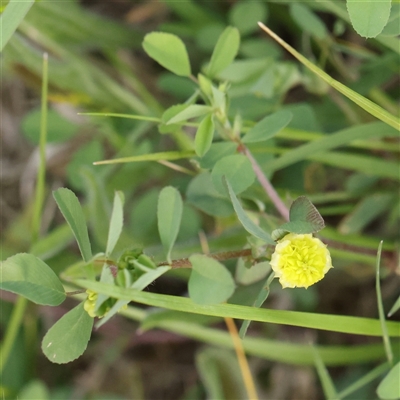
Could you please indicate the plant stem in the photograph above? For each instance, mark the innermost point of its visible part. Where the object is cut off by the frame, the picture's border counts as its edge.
(185, 263)
(12, 330)
(266, 184)
(241, 356)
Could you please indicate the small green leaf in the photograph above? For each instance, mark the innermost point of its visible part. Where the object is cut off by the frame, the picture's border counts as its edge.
(169, 51)
(224, 51)
(169, 214)
(238, 171)
(216, 152)
(192, 111)
(303, 210)
(202, 194)
(308, 21)
(268, 127)
(72, 211)
(369, 17)
(116, 223)
(30, 277)
(67, 339)
(204, 136)
(248, 276)
(247, 223)
(389, 388)
(304, 218)
(210, 282)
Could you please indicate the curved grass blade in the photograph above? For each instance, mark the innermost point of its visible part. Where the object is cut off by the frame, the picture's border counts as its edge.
(362, 101)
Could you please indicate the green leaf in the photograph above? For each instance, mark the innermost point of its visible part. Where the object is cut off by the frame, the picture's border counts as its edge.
(204, 136)
(389, 388)
(247, 223)
(169, 51)
(169, 214)
(303, 210)
(369, 17)
(210, 282)
(308, 21)
(202, 194)
(244, 15)
(224, 51)
(327, 322)
(11, 18)
(116, 223)
(72, 211)
(268, 127)
(192, 111)
(67, 339)
(248, 276)
(216, 152)
(30, 277)
(238, 171)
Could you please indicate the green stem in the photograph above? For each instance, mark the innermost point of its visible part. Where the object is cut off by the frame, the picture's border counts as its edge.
(12, 331)
(40, 181)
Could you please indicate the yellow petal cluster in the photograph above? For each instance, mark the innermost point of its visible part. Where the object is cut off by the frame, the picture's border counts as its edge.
(300, 260)
(90, 303)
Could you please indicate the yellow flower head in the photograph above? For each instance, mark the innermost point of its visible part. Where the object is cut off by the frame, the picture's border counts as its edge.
(300, 260)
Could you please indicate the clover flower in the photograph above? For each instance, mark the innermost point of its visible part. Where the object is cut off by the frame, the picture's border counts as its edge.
(90, 305)
(300, 260)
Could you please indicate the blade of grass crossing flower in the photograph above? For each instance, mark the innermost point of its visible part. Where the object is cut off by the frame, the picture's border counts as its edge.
(335, 323)
(116, 223)
(385, 336)
(326, 381)
(363, 102)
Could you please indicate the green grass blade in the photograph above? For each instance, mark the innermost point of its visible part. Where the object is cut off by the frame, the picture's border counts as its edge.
(335, 323)
(369, 377)
(40, 180)
(385, 336)
(129, 116)
(268, 349)
(11, 18)
(360, 100)
(334, 140)
(326, 381)
(166, 155)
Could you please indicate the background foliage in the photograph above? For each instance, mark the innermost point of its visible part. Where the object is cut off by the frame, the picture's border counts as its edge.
(308, 138)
